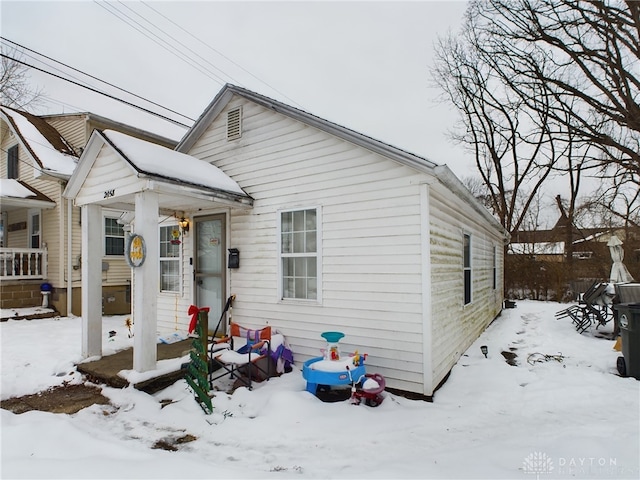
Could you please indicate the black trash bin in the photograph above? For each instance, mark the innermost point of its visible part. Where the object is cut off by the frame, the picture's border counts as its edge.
(629, 321)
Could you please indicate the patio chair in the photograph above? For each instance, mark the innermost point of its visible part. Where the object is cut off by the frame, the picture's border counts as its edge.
(575, 312)
(252, 360)
(591, 309)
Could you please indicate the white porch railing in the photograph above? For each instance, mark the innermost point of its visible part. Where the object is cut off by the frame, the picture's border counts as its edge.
(23, 263)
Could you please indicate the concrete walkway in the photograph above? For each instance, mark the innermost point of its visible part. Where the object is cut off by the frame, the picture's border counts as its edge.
(105, 370)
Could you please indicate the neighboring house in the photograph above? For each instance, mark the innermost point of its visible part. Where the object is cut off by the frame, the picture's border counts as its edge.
(562, 262)
(332, 230)
(41, 230)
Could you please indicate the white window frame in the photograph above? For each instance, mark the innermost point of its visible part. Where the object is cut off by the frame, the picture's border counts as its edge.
(467, 268)
(495, 267)
(177, 259)
(318, 256)
(112, 216)
(32, 212)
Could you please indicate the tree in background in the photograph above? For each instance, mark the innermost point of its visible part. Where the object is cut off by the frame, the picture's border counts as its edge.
(585, 55)
(15, 89)
(513, 145)
(549, 89)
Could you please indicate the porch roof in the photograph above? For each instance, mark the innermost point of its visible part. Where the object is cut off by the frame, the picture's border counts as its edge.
(15, 194)
(184, 183)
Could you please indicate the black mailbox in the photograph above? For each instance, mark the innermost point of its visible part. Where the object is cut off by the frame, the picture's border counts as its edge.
(234, 258)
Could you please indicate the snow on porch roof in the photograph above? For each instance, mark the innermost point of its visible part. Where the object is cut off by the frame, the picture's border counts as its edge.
(160, 161)
(14, 194)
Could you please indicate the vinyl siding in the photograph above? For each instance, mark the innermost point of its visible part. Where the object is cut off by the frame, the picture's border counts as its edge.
(371, 270)
(455, 325)
(50, 218)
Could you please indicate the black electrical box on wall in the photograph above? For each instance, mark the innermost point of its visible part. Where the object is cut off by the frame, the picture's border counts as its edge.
(234, 258)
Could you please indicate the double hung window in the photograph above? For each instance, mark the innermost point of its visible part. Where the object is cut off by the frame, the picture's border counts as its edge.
(113, 237)
(170, 259)
(299, 254)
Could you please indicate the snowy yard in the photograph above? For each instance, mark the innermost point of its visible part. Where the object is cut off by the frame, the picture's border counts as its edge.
(571, 419)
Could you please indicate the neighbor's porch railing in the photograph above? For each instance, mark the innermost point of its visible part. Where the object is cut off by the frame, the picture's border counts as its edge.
(23, 263)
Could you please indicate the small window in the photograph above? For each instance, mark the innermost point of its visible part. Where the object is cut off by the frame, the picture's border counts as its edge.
(12, 162)
(35, 227)
(467, 268)
(113, 237)
(495, 267)
(299, 254)
(170, 259)
(234, 123)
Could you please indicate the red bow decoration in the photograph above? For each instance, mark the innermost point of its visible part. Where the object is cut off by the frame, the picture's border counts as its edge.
(193, 311)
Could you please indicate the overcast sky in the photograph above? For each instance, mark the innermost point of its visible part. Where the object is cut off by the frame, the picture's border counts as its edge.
(364, 65)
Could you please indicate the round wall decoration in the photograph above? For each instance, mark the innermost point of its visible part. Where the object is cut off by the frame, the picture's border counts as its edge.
(135, 251)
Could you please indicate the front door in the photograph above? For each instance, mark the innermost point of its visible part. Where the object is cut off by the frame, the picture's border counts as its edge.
(210, 267)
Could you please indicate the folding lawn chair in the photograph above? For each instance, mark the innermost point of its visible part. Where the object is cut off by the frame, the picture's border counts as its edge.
(576, 312)
(591, 309)
(252, 360)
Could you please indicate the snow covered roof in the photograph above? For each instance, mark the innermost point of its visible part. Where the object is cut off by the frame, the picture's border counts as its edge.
(15, 194)
(157, 160)
(48, 149)
(184, 183)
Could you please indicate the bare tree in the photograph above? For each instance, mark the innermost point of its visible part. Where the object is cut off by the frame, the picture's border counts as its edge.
(15, 88)
(585, 54)
(513, 144)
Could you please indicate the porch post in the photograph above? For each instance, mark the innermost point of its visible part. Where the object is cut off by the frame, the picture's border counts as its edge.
(146, 279)
(91, 281)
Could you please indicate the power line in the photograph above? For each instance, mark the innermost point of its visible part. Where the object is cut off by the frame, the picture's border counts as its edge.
(182, 44)
(94, 78)
(219, 53)
(96, 91)
(163, 43)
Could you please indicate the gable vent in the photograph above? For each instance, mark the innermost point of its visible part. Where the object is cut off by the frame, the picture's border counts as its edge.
(234, 123)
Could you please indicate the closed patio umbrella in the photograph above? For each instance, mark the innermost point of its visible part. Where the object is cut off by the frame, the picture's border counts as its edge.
(619, 273)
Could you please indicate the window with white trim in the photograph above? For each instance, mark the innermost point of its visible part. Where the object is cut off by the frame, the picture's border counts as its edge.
(299, 245)
(113, 237)
(466, 255)
(170, 259)
(495, 267)
(35, 227)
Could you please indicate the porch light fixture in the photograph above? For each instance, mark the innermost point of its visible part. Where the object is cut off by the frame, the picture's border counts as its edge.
(484, 350)
(184, 224)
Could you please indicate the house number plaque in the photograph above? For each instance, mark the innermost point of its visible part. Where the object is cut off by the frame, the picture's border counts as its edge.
(136, 251)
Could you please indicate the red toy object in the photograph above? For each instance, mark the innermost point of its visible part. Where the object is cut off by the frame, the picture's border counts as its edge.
(372, 396)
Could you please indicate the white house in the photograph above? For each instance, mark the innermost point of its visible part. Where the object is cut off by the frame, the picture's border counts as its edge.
(334, 231)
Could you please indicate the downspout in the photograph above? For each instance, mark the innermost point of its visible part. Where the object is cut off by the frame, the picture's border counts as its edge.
(69, 257)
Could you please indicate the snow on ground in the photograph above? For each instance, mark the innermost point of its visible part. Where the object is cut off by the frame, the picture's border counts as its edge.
(571, 419)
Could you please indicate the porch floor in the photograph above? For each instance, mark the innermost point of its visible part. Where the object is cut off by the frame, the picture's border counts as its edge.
(105, 370)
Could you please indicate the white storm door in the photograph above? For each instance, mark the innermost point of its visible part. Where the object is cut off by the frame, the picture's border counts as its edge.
(210, 263)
